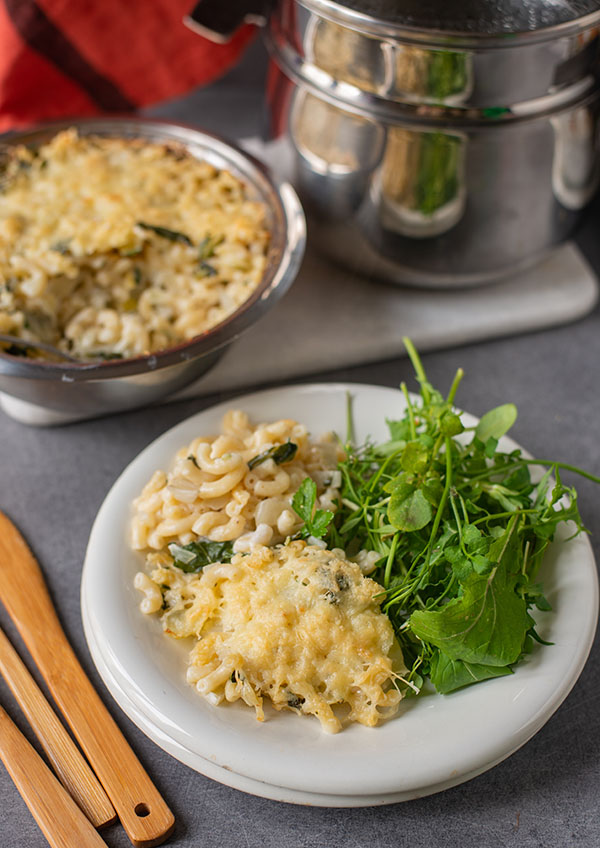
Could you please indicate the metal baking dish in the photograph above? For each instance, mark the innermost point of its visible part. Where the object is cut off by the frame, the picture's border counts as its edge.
(99, 388)
(435, 142)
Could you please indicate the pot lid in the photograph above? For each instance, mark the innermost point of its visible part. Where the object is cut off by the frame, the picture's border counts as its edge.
(484, 17)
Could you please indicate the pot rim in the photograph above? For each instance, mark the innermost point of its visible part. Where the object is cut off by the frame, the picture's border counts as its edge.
(378, 27)
(377, 107)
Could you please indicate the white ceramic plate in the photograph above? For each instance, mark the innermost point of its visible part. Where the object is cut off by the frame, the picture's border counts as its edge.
(435, 742)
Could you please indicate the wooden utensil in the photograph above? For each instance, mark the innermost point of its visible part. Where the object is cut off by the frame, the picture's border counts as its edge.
(60, 819)
(66, 760)
(143, 813)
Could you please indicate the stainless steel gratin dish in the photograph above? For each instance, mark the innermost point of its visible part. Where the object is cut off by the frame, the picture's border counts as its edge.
(87, 389)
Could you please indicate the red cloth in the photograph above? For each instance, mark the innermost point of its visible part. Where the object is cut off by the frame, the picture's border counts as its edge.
(64, 58)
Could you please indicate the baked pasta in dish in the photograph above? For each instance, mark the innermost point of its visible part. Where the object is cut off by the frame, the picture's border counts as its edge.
(272, 617)
(114, 247)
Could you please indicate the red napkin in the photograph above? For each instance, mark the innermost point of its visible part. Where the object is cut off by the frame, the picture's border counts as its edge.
(66, 58)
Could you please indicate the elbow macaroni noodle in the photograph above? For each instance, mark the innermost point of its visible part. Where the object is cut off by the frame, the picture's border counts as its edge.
(294, 622)
(211, 492)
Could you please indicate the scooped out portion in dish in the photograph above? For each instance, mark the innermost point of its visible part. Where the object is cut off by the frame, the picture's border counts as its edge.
(273, 616)
(114, 248)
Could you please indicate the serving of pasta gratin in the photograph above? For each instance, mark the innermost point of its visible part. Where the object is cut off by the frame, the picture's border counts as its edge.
(271, 616)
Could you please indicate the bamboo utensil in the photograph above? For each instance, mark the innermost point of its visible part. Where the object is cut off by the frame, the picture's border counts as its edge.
(68, 763)
(60, 819)
(143, 813)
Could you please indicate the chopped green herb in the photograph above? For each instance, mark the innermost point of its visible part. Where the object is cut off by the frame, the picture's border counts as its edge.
(193, 557)
(193, 460)
(131, 251)
(279, 454)
(294, 701)
(106, 355)
(15, 350)
(206, 248)
(164, 232)
(205, 269)
(61, 246)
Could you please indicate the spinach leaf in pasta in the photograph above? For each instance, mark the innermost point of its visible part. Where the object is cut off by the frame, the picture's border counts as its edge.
(278, 453)
(164, 232)
(193, 557)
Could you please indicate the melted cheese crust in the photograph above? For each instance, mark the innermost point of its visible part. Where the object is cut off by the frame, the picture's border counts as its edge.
(298, 624)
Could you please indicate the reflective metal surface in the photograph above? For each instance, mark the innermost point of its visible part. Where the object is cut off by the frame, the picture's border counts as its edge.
(97, 388)
(435, 158)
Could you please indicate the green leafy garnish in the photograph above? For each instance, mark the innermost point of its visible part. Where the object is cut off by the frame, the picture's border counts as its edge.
(207, 246)
(164, 232)
(460, 528)
(61, 246)
(278, 453)
(205, 269)
(105, 355)
(134, 250)
(316, 521)
(193, 557)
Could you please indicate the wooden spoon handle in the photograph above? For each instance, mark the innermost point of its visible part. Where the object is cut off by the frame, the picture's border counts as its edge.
(143, 813)
(66, 760)
(60, 819)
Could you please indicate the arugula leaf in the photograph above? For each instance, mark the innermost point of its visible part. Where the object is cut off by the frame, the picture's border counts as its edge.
(448, 674)
(193, 557)
(316, 521)
(164, 232)
(278, 453)
(486, 625)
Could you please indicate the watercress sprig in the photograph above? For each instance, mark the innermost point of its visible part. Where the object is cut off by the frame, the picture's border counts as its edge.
(460, 528)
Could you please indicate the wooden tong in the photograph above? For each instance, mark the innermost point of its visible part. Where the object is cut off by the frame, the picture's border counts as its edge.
(143, 813)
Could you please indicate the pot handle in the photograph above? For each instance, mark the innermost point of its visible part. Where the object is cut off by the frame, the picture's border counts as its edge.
(218, 21)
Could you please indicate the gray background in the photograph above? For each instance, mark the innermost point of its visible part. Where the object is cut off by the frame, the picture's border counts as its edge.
(52, 482)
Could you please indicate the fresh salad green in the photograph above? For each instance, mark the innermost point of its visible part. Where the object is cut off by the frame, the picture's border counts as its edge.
(460, 528)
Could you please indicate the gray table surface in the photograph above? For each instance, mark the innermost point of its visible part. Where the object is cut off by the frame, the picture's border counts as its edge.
(52, 482)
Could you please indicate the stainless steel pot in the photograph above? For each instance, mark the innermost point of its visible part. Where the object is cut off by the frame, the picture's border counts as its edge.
(436, 143)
